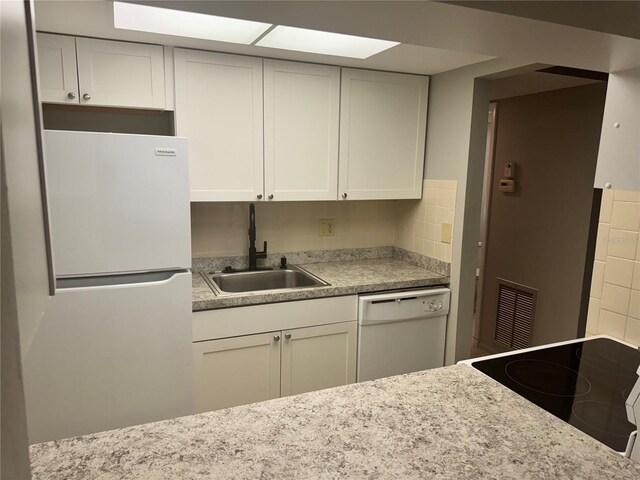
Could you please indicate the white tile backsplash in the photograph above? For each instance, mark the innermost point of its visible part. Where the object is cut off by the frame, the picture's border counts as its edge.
(618, 271)
(611, 323)
(622, 243)
(615, 299)
(625, 216)
(614, 306)
(632, 331)
(635, 283)
(602, 242)
(634, 305)
(419, 222)
(606, 206)
(220, 229)
(597, 279)
(592, 316)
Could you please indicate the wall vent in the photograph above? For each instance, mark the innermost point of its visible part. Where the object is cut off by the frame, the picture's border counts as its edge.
(515, 315)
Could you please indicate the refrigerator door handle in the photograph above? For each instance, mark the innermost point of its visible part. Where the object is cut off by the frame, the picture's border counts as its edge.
(120, 280)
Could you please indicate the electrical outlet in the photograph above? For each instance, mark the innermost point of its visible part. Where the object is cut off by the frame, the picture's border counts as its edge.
(327, 227)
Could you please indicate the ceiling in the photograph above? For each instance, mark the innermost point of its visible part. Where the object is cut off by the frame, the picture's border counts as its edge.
(533, 82)
(609, 16)
(435, 36)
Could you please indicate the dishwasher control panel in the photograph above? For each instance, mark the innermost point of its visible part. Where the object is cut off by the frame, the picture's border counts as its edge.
(433, 305)
(404, 305)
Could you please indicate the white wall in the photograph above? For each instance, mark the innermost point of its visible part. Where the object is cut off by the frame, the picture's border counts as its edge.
(20, 132)
(619, 155)
(25, 286)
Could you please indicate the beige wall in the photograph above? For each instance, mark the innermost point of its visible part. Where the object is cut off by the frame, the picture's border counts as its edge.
(419, 222)
(538, 236)
(219, 229)
(614, 304)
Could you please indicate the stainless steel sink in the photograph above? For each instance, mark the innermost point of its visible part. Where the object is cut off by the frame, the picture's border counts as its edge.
(277, 279)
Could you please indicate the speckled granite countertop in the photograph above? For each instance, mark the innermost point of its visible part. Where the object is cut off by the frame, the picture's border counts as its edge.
(450, 422)
(345, 278)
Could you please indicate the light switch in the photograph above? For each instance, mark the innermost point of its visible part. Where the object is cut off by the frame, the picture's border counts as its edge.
(327, 227)
(445, 237)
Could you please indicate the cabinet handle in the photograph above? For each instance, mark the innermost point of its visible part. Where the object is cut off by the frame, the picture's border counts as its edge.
(86, 96)
(270, 197)
(344, 195)
(287, 336)
(259, 196)
(71, 95)
(276, 338)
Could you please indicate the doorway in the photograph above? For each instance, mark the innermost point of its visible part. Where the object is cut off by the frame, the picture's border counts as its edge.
(542, 144)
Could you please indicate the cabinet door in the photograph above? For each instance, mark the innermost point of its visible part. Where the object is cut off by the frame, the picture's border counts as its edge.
(301, 118)
(382, 134)
(120, 74)
(219, 108)
(236, 371)
(314, 358)
(57, 67)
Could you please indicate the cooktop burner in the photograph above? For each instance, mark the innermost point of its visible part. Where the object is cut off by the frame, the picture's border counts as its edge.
(584, 383)
(547, 377)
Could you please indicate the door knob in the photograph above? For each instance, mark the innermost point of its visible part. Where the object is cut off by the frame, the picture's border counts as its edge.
(71, 95)
(344, 195)
(276, 338)
(270, 197)
(86, 96)
(260, 196)
(287, 336)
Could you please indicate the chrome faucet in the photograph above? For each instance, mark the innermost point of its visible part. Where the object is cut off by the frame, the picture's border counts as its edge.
(253, 254)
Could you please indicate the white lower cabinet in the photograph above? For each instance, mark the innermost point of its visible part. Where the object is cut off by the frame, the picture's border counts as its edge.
(235, 371)
(251, 368)
(320, 357)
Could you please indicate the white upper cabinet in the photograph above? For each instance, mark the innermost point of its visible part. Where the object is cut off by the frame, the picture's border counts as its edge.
(301, 123)
(120, 74)
(382, 135)
(108, 73)
(219, 108)
(57, 66)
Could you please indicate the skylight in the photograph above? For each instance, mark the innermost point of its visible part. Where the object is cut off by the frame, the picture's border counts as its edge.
(144, 18)
(325, 43)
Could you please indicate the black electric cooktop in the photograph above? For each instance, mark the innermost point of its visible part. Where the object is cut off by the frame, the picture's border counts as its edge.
(584, 383)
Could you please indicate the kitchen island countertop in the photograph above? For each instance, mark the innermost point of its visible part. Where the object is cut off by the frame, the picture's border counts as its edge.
(451, 422)
(345, 278)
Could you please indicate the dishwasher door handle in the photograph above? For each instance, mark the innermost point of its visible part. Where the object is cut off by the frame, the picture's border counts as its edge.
(392, 300)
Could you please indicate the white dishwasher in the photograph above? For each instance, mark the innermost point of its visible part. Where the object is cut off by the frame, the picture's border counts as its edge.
(401, 332)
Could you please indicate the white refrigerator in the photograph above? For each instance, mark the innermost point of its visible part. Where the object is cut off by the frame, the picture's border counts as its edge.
(114, 346)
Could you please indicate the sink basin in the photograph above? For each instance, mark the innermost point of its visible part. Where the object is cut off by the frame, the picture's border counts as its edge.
(280, 279)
